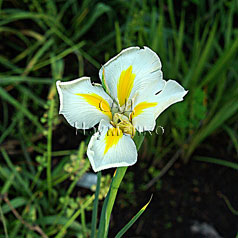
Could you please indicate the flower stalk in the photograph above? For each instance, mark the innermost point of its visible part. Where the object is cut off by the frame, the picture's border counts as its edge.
(112, 193)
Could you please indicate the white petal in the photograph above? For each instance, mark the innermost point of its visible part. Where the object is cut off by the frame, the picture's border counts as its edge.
(143, 108)
(121, 152)
(143, 67)
(82, 104)
(171, 93)
(148, 104)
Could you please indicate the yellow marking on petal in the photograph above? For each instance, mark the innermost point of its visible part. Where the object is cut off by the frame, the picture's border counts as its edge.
(97, 101)
(112, 138)
(139, 108)
(124, 85)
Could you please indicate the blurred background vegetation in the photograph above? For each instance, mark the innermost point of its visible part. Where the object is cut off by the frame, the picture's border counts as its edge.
(42, 158)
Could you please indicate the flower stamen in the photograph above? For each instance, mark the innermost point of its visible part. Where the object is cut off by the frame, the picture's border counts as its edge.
(123, 123)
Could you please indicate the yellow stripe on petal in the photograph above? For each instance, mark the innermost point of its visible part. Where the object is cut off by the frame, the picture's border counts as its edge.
(139, 108)
(98, 102)
(124, 85)
(112, 138)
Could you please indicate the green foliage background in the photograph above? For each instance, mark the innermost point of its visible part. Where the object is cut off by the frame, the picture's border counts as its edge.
(44, 41)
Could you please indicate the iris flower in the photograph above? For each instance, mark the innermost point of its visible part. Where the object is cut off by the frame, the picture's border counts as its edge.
(132, 95)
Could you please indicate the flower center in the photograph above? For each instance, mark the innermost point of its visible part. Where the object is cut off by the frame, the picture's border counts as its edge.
(123, 123)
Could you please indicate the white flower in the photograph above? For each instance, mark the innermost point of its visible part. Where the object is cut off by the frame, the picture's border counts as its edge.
(131, 97)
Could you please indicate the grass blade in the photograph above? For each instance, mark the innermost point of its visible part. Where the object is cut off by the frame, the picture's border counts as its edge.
(118, 37)
(16, 173)
(6, 96)
(227, 111)
(36, 57)
(7, 131)
(132, 221)
(73, 218)
(15, 202)
(205, 54)
(233, 136)
(5, 80)
(3, 222)
(7, 184)
(61, 55)
(221, 63)
(36, 99)
(217, 161)
(9, 65)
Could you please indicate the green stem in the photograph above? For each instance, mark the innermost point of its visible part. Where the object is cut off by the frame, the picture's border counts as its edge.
(49, 146)
(95, 206)
(109, 202)
(120, 173)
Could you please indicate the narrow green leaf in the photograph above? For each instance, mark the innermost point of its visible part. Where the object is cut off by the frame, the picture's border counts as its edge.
(29, 51)
(51, 220)
(217, 161)
(132, 221)
(83, 221)
(8, 64)
(59, 56)
(220, 88)
(73, 218)
(15, 32)
(7, 184)
(99, 9)
(15, 202)
(26, 153)
(11, 15)
(221, 63)
(38, 54)
(158, 42)
(15, 172)
(233, 136)
(200, 66)
(4, 222)
(6, 80)
(179, 44)
(172, 15)
(6, 96)
(6, 132)
(228, 110)
(118, 37)
(229, 28)
(36, 99)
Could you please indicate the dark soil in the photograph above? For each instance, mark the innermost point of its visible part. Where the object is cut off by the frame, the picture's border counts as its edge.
(188, 193)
